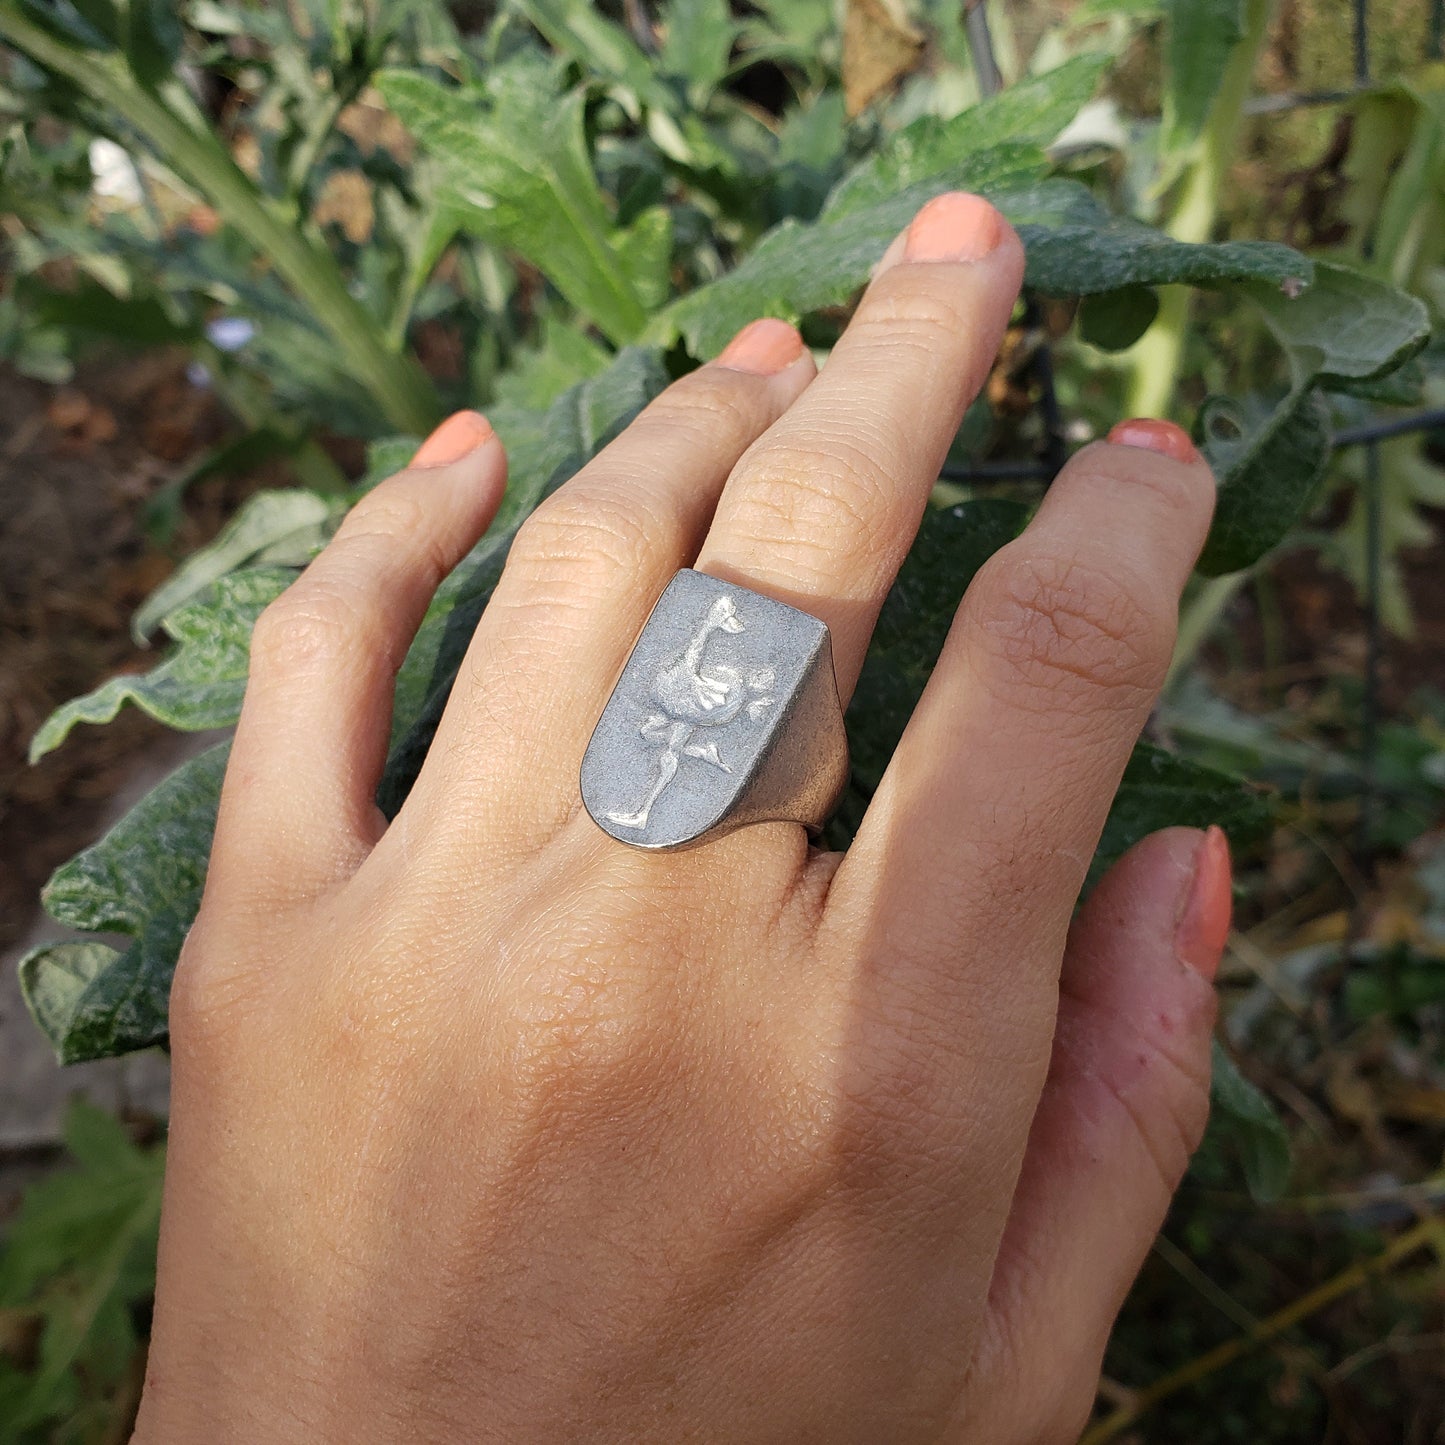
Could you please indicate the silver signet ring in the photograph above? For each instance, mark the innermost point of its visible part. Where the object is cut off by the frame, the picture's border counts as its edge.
(726, 714)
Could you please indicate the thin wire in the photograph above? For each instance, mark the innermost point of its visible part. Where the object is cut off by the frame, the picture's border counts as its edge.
(1362, 42)
(1370, 698)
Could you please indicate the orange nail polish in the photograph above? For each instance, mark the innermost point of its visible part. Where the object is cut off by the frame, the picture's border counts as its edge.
(459, 434)
(1204, 924)
(956, 226)
(763, 347)
(1155, 436)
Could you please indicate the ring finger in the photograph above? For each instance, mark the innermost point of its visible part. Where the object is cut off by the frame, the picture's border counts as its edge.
(580, 579)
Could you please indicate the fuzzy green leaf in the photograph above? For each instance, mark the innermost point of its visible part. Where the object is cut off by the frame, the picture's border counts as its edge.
(1074, 248)
(515, 167)
(144, 879)
(1249, 1127)
(1267, 477)
(1161, 790)
(1347, 327)
(1115, 320)
(281, 528)
(1022, 119)
(53, 978)
(1199, 38)
(200, 685)
(698, 43)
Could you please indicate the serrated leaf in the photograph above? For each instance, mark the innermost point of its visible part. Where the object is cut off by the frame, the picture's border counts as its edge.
(201, 684)
(276, 528)
(1161, 790)
(1267, 477)
(1248, 1125)
(1023, 119)
(514, 166)
(1073, 246)
(563, 356)
(1199, 39)
(1347, 327)
(144, 879)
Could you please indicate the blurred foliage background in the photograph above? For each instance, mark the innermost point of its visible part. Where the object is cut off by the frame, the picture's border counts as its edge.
(252, 251)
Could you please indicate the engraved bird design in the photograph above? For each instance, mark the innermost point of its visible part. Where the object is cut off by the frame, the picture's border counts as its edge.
(691, 697)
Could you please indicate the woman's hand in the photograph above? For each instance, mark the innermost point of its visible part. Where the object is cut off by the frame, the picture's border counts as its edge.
(488, 1128)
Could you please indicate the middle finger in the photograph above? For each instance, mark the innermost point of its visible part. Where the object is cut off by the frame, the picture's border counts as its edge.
(821, 510)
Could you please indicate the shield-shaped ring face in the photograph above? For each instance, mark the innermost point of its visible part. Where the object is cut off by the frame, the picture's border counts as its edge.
(726, 713)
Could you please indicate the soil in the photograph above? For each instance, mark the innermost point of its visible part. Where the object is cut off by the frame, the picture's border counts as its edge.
(77, 467)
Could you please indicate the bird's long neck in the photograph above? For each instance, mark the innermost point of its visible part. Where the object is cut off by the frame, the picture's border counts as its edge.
(693, 655)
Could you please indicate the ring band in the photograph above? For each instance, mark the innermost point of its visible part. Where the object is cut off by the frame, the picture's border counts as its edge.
(726, 714)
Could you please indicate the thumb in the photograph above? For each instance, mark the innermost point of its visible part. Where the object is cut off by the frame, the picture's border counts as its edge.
(1123, 1109)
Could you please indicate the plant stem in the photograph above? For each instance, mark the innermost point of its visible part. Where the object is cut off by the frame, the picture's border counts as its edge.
(399, 387)
(1197, 619)
(1157, 355)
(1306, 1305)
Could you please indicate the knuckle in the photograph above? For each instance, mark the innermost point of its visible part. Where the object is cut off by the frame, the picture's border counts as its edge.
(393, 510)
(591, 527)
(1056, 624)
(930, 318)
(308, 624)
(801, 495)
(711, 401)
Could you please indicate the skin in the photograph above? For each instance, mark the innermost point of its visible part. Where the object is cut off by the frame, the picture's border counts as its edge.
(488, 1128)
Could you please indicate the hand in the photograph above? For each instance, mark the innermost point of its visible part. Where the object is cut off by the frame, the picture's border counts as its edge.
(488, 1128)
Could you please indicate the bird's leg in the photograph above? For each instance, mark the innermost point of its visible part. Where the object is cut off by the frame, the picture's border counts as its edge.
(667, 766)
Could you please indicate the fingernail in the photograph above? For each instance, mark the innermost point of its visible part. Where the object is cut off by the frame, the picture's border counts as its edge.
(1204, 924)
(763, 347)
(459, 434)
(1155, 436)
(956, 226)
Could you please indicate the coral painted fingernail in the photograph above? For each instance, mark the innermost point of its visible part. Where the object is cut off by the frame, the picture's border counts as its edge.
(763, 347)
(459, 434)
(1204, 924)
(956, 226)
(1155, 436)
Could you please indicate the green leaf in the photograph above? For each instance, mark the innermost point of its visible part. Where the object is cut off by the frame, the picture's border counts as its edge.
(91, 24)
(578, 28)
(277, 528)
(54, 976)
(1347, 327)
(1115, 320)
(697, 44)
(952, 544)
(1023, 120)
(143, 879)
(1199, 38)
(1267, 476)
(1346, 330)
(1246, 1122)
(200, 685)
(515, 168)
(1161, 790)
(153, 39)
(563, 356)
(1074, 248)
(79, 1257)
